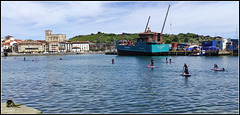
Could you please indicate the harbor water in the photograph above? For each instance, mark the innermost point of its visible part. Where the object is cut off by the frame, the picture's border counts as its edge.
(89, 83)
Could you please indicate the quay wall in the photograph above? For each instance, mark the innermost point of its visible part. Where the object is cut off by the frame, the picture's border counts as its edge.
(40, 54)
(186, 53)
(170, 53)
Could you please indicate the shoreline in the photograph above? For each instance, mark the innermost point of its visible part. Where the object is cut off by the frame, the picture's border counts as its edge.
(41, 54)
(172, 53)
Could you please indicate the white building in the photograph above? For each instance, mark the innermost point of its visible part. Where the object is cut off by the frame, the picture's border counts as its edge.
(222, 44)
(80, 46)
(8, 43)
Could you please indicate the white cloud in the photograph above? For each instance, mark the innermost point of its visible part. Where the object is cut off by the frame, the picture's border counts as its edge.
(73, 18)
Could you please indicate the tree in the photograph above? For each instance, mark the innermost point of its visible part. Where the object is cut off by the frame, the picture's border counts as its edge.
(168, 42)
(186, 40)
(175, 39)
(102, 49)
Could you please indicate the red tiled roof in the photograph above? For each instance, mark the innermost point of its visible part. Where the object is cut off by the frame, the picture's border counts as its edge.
(17, 40)
(75, 42)
(7, 43)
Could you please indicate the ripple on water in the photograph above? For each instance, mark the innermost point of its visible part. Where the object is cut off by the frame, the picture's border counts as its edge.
(90, 84)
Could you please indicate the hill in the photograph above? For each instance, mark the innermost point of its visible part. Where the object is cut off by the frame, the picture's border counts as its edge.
(167, 38)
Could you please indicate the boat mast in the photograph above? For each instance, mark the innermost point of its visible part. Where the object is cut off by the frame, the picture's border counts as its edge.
(164, 24)
(147, 24)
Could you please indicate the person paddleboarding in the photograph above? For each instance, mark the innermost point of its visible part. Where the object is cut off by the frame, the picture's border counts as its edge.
(185, 67)
(151, 61)
(112, 61)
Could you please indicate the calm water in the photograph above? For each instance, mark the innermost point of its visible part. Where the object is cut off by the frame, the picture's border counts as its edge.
(89, 83)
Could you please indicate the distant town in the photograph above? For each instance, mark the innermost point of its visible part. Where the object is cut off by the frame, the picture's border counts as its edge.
(53, 43)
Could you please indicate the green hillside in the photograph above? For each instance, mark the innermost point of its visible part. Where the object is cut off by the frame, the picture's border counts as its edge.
(106, 38)
(167, 38)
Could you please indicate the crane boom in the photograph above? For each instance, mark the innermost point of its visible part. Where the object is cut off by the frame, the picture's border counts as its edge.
(147, 24)
(164, 24)
(165, 18)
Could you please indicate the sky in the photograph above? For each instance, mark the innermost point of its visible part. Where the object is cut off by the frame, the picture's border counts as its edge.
(29, 19)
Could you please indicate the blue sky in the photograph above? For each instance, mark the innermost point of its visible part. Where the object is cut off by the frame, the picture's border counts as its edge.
(30, 19)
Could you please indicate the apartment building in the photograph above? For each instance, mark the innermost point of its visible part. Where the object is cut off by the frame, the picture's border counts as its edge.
(80, 46)
(30, 47)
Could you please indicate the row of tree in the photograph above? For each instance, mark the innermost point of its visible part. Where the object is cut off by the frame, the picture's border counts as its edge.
(167, 38)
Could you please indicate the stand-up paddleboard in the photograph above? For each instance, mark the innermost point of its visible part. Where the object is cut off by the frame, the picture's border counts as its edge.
(218, 69)
(152, 66)
(187, 75)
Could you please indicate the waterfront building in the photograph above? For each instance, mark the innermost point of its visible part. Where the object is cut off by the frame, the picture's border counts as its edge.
(93, 46)
(53, 47)
(69, 46)
(5, 46)
(62, 47)
(49, 37)
(43, 43)
(30, 47)
(109, 46)
(80, 46)
(222, 43)
(8, 43)
(235, 44)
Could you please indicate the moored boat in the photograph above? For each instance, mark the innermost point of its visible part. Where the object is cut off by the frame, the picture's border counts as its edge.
(148, 43)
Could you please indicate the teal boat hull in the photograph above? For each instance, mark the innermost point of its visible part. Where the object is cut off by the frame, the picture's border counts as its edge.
(143, 48)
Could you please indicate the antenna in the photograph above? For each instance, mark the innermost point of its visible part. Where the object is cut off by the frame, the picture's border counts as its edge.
(147, 24)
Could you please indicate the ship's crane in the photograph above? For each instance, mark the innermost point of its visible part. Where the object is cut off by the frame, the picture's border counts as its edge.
(147, 24)
(164, 24)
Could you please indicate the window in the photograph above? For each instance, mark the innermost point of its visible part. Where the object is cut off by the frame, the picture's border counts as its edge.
(31, 48)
